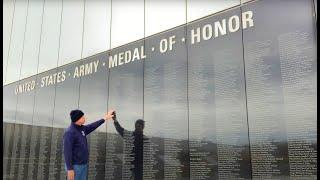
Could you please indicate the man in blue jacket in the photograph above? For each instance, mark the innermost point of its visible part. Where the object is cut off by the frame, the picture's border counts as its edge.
(75, 146)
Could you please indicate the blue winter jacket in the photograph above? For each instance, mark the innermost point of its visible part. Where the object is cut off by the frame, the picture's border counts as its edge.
(75, 146)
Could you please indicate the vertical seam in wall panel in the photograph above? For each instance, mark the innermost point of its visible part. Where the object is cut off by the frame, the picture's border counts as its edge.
(60, 32)
(314, 9)
(188, 108)
(34, 101)
(143, 66)
(110, 31)
(17, 95)
(81, 61)
(13, 13)
(108, 71)
(83, 18)
(54, 102)
(35, 93)
(24, 35)
(314, 14)
(24, 38)
(316, 41)
(144, 47)
(83, 21)
(245, 90)
(107, 88)
(44, 2)
(55, 86)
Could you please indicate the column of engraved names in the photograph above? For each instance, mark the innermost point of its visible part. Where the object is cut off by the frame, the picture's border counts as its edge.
(199, 168)
(172, 165)
(25, 151)
(4, 150)
(153, 167)
(7, 152)
(298, 59)
(34, 153)
(44, 152)
(110, 156)
(264, 116)
(56, 170)
(172, 125)
(115, 156)
(128, 155)
(150, 163)
(16, 150)
(200, 98)
(230, 117)
(97, 155)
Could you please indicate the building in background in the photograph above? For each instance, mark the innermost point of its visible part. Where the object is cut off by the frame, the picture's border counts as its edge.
(227, 88)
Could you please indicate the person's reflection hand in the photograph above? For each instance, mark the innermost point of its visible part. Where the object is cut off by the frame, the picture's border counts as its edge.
(70, 174)
(108, 115)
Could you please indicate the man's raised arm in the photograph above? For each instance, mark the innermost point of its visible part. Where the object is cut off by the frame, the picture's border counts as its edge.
(91, 127)
(119, 128)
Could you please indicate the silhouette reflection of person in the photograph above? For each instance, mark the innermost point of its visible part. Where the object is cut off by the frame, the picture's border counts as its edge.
(137, 149)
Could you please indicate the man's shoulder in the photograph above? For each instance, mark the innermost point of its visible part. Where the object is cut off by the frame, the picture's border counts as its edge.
(69, 131)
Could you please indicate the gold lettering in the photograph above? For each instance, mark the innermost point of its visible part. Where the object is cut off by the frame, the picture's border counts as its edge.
(76, 73)
(96, 63)
(136, 54)
(81, 70)
(88, 68)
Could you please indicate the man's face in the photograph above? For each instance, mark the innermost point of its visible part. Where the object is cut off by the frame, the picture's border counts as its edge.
(81, 121)
(139, 127)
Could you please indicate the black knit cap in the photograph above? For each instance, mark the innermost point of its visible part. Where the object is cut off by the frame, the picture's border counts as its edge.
(75, 115)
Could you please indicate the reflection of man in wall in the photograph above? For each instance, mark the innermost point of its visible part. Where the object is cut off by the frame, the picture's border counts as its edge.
(137, 150)
(75, 146)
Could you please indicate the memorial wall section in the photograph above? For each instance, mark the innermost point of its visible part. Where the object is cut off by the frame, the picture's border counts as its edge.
(67, 89)
(280, 61)
(165, 106)
(218, 130)
(93, 99)
(126, 96)
(228, 96)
